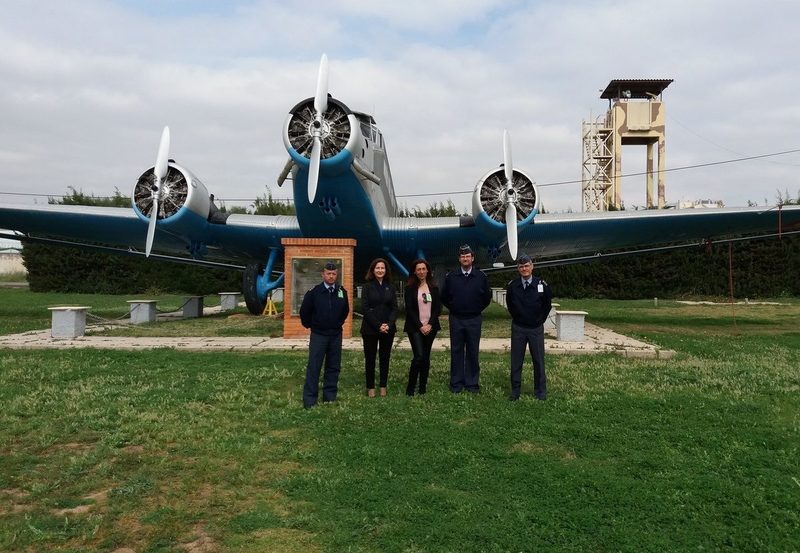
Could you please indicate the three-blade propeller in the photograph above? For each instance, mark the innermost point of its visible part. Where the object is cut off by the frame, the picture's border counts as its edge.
(320, 107)
(160, 173)
(511, 197)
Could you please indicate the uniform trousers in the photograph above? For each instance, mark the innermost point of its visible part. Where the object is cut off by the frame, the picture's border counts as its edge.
(532, 339)
(465, 339)
(380, 344)
(328, 348)
(421, 363)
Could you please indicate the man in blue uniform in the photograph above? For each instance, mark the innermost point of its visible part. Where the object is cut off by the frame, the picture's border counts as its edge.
(528, 299)
(466, 294)
(324, 310)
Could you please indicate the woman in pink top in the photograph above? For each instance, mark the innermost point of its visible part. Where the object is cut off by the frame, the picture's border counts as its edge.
(423, 307)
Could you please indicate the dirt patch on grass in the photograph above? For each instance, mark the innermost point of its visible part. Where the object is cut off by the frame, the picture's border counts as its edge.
(97, 499)
(280, 469)
(14, 493)
(238, 317)
(285, 540)
(79, 510)
(203, 544)
(69, 447)
(284, 433)
(17, 504)
(529, 448)
(133, 449)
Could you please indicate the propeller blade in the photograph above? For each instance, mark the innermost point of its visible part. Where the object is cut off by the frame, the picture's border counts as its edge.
(511, 229)
(313, 169)
(321, 97)
(151, 227)
(507, 165)
(160, 172)
(162, 158)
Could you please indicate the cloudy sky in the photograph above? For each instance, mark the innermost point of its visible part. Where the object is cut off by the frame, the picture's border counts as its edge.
(87, 86)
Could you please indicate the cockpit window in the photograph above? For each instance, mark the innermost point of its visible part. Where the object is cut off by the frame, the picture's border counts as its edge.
(366, 130)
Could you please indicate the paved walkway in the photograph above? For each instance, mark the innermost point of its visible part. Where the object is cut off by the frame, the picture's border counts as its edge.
(598, 340)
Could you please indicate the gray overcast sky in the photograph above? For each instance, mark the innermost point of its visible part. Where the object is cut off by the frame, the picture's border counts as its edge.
(88, 85)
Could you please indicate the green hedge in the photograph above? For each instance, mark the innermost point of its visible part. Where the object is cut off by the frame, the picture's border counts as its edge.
(67, 269)
(761, 268)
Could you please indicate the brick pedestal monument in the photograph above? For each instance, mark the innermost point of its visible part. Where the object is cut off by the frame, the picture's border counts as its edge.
(303, 261)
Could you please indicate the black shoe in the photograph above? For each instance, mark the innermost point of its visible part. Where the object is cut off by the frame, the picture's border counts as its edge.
(513, 398)
(541, 398)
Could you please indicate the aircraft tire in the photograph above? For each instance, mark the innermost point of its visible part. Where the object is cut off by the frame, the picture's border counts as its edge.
(255, 304)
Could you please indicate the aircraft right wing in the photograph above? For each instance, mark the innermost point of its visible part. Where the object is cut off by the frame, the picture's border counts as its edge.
(566, 236)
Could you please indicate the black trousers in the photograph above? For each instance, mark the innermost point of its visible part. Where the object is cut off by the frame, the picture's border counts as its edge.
(532, 339)
(421, 362)
(328, 348)
(465, 340)
(380, 344)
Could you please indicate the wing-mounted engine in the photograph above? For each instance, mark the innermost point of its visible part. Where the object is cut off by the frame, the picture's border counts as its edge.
(492, 197)
(489, 199)
(505, 199)
(183, 204)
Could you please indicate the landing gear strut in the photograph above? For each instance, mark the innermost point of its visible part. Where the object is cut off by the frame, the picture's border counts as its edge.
(257, 283)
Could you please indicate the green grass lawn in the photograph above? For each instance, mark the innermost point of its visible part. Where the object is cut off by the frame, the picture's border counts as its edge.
(177, 451)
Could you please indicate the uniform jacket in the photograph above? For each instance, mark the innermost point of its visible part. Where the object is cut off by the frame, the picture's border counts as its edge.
(528, 307)
(413, 323)
(324, 312)
(379, 306)
(466, 296)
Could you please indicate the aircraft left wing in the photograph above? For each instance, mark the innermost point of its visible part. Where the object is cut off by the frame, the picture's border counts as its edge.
(235, 238)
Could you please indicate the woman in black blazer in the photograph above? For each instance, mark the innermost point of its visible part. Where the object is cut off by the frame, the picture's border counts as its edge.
(423, 307)
(379, 306)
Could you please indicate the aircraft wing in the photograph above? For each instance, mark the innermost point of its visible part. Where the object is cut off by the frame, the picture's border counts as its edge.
(564, 235)
(240, 239)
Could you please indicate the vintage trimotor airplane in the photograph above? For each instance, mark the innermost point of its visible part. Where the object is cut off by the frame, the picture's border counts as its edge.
(343, 188)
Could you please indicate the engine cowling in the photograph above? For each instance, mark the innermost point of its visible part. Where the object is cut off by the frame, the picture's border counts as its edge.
(489, 201)
(340, 134)
(184, 204)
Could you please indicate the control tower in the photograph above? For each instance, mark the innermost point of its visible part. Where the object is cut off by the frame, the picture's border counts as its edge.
(636, 115)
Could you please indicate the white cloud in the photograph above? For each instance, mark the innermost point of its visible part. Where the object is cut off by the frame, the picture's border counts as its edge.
(88, 86)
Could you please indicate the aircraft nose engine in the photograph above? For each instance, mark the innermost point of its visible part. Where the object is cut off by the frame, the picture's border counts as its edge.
(184, 203)
(335, 129)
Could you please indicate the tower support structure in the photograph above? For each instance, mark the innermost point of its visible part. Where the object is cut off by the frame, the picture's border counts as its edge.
(636, 116)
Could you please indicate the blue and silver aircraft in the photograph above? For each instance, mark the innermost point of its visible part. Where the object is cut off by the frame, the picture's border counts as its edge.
(343, 188)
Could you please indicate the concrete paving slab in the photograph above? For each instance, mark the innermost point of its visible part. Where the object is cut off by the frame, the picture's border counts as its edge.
(597, 340)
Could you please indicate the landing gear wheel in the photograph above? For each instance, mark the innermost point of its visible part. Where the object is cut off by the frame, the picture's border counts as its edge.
(255, 304)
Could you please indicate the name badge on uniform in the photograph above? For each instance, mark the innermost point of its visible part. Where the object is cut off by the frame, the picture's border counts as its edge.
(540, 288)
(341, 294)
